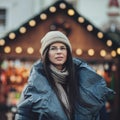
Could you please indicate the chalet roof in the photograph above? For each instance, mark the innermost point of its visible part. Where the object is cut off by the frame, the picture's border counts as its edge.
(59, 7)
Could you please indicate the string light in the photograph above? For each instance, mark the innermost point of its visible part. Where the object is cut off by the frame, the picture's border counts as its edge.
(30, 50)
(109, 43)
(103, 53)
(52, 9)
(100, 35)
(113, 53)
(91, 52)
(12, 35)
(2, 42)
(18, 50)
(62, 6)
(71, 12)
(32, 23)
(43, 16)
(7, 49)
(22, 30)
(118, 51)
(78, 51)
(81, 19)
(89, 27)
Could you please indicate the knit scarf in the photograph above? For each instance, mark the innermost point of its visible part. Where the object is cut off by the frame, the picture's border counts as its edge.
(60, 79)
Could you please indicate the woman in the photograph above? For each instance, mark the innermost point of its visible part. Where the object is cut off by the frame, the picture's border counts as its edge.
(61, 87)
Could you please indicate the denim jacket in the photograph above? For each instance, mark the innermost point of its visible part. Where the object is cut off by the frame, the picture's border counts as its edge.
(39, 101)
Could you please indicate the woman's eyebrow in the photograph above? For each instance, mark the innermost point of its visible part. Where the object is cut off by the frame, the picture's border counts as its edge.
(57, 46)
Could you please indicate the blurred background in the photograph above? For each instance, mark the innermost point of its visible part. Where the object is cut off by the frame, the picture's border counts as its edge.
(93, 27)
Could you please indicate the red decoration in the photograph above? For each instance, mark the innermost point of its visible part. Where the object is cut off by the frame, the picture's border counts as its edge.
(114, 3)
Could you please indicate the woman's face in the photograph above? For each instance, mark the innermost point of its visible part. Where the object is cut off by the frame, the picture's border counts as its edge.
(57, 54)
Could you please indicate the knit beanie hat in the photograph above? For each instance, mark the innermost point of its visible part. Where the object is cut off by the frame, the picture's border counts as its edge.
(52, 37)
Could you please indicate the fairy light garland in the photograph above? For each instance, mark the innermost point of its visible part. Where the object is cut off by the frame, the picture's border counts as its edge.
(43, 16)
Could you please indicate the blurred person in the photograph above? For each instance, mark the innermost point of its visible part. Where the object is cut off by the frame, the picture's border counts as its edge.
(61, 87)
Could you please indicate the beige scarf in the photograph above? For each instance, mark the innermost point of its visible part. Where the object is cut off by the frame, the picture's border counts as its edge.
(60, 78)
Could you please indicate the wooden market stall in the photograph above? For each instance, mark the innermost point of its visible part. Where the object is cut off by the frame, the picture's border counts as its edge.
(20, 48)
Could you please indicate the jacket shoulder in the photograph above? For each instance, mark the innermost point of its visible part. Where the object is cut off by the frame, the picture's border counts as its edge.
(80, 63)
(38, 65)
(37, 78)
(77, 61)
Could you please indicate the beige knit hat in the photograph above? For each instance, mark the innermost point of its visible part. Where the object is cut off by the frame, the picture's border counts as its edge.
(51, 37)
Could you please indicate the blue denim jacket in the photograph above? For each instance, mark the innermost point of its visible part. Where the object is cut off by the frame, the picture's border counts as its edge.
(39, 102)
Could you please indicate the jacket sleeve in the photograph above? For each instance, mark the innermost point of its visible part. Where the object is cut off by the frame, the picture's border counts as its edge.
(93, 89)
(24, 111)
(33, 99)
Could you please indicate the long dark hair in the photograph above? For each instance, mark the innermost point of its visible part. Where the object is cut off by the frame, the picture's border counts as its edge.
(72, 83)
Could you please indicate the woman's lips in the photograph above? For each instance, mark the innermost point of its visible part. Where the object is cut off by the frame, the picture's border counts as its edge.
(59, 58)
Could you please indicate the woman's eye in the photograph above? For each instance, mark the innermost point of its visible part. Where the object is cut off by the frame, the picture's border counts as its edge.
(56, 49)
(63, 48)
(53, 48)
